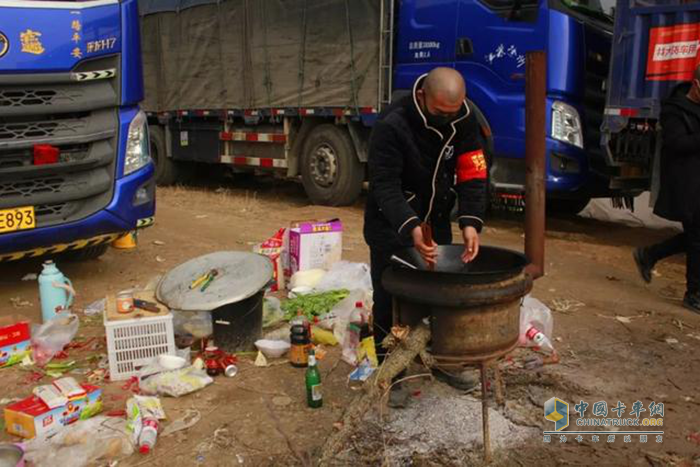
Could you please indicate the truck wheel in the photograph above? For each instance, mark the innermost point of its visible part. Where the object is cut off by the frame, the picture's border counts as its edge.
(330, 170)
(167, 171)
(566, 207)
(85, 254)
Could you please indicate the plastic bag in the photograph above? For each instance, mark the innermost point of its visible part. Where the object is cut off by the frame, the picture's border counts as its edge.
(273, 248)
(272, 311)
(346, 275)
(339, 316)
(536, 324)
(52, 336)
(176, 383)
(308, 278)
(83, 443)
(96, 307)
(197, 324)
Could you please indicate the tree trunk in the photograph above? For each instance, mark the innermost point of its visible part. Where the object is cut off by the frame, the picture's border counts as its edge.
(397, 361)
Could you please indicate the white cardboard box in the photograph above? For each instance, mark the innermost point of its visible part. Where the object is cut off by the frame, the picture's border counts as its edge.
(314, 245)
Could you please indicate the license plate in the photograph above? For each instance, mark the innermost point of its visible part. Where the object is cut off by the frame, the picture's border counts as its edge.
(17, 219)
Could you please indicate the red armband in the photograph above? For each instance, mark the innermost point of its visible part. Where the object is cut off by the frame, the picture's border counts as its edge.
(471, 166)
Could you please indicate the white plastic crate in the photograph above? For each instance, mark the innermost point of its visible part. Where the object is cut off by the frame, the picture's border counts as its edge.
(132, 343)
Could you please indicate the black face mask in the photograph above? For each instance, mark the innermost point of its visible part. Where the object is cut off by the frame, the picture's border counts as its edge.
(437, 121)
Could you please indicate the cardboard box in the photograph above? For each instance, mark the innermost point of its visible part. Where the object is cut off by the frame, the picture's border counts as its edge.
(31, 417)
(15, 340)
(315, 245)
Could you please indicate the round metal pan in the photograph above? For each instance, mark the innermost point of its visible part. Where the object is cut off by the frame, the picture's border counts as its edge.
(493, 264)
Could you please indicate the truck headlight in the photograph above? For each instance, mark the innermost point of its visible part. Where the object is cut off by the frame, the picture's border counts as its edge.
(138, 150)
(566, 124)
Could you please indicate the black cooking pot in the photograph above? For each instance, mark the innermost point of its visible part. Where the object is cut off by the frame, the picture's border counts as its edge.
(492, 264)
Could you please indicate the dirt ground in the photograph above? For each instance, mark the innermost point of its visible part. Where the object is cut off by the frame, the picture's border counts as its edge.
(260, 417)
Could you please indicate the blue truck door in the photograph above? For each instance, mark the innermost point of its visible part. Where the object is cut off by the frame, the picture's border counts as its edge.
(425, 39)
(491, 40)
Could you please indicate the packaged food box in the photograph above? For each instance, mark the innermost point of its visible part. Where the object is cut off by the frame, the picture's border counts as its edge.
(32, 417)
(15, 340)
(315, 245)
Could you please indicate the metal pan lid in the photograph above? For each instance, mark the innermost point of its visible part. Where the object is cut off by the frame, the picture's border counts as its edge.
(240, 275)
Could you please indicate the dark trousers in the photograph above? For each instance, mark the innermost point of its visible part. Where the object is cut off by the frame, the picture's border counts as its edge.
(382, 309)
(687, 242)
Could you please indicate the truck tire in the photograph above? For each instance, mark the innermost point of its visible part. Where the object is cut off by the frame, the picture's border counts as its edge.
(331, 172)
(85, 254)
(167, 170)
(566, 207)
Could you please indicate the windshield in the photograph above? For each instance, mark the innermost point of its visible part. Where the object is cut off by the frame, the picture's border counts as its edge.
(601, 9)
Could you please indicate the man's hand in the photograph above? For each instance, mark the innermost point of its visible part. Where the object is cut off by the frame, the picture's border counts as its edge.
(427, 251)
(471, 244)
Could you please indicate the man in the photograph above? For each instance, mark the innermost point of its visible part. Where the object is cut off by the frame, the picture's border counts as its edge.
(679, 194)
(417, 147)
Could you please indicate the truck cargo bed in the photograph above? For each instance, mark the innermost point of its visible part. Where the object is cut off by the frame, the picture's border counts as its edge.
(238, 54)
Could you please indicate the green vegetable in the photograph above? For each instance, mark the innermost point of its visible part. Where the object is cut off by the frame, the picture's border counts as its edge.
(315, 304)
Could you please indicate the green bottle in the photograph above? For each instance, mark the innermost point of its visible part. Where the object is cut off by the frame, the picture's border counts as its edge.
(314, 399)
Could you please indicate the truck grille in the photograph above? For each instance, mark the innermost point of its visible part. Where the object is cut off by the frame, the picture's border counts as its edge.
(29, 97)
(31, 187)
(40, 129)
(80, 118)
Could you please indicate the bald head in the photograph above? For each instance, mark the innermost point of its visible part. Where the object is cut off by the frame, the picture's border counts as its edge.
(446, 85)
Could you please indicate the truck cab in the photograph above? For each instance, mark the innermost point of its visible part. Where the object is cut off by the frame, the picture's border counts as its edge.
(75, 167)
(487, 41)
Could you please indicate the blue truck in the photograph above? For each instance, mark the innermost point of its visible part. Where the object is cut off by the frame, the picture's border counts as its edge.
(656, 47)
(75, 166)
(292, 88)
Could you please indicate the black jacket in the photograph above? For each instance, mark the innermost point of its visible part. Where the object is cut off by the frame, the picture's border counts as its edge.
(417, 172)
(679, 192)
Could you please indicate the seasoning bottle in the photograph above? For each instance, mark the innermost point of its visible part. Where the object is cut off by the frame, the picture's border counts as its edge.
(367, 349)
(300, 338)
(314, 398)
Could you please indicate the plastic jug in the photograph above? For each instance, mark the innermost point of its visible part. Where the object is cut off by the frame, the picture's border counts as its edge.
(55, 291)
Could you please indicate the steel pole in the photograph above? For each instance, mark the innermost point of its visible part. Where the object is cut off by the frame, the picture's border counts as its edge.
(535, 150)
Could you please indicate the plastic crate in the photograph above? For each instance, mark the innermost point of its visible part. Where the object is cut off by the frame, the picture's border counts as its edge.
(132, 343)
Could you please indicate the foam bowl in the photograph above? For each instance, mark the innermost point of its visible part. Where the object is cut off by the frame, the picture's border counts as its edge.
(272, 348)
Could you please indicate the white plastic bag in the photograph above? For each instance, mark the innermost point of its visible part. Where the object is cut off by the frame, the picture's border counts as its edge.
(346, 275)
(308, 278)
(176, 383)
(339, 316)
(536, 324)
(50, 338)
(83, 443)
(197, 324)
(272, 311)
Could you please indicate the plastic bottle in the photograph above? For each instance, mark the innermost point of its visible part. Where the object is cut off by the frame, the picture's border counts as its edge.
(353, 335)
(314, 398)
(367, 349)
(538, 340)
(148, 436)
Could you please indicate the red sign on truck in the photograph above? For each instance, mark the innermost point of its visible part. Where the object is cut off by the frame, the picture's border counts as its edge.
(673, 52)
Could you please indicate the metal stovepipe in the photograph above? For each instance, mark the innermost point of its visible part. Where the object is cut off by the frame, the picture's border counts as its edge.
(535, 150)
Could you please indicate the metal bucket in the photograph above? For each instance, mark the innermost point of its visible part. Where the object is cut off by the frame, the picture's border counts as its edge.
(474, 308)
(238, 325)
